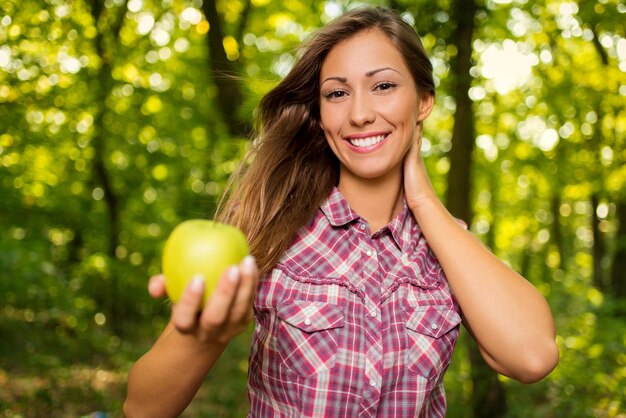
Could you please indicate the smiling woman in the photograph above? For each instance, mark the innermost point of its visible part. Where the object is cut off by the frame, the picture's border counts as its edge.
(365, 277)
(370, 110)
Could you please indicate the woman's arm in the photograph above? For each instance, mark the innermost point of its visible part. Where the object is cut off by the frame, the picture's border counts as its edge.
(510, 320)
(164, 381)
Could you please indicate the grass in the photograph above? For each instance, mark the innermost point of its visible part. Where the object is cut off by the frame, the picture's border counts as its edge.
(49, 370)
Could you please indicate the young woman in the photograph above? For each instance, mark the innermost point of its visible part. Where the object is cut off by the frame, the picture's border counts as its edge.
(363, 276)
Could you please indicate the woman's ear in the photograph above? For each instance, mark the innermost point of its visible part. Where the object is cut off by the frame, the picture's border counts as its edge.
(427, 101)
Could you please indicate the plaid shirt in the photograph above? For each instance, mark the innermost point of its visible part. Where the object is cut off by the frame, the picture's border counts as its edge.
(353, 324)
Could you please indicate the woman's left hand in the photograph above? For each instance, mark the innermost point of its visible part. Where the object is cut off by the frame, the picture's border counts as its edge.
(492, 296)
(417, 186)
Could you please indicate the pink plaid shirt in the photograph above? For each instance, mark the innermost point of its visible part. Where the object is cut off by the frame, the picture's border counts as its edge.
(353, 324)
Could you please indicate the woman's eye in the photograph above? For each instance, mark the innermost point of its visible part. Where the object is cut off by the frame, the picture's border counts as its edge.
(385, 86)
(335, 94)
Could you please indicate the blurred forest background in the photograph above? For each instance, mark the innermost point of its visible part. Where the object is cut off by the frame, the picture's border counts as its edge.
(121, 118)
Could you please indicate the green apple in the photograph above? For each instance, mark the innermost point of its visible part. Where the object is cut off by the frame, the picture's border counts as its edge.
(199, 246)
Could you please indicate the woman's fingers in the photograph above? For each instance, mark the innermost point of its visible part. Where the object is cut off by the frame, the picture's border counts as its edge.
(217, 310)
(416, 147)
(228, 309)
(185, 312)
(418, 136)
(156, 286)
(242, 308)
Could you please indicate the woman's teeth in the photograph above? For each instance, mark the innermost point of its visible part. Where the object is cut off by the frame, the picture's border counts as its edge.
(367, 142)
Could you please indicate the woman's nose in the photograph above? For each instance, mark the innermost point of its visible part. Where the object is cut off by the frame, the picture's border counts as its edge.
(361, 111)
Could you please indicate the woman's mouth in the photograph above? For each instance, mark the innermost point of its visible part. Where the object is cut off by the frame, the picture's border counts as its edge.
(366, 143)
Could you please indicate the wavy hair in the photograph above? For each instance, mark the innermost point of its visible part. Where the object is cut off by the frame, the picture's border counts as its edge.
(290, 169)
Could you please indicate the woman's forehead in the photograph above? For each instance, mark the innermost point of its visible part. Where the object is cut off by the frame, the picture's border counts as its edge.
(365, 53)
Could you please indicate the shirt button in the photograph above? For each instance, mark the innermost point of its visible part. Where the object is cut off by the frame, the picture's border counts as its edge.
(362, 227)
(372, 382)
(307, 321)
(369, 253)
(434, 326)
(373, 314)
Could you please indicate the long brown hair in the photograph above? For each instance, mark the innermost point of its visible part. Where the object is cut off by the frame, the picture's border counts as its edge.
(290, 169)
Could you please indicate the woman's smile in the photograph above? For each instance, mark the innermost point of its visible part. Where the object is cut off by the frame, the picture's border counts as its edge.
(366, 142)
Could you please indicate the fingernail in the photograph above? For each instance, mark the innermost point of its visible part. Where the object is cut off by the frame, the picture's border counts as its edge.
(233, 274)
(153, 288)
(249, 263)
(197, 283)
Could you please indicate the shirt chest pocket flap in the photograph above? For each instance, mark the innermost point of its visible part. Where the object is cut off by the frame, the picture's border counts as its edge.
(432, 332)
(308, 335)
(432, 320)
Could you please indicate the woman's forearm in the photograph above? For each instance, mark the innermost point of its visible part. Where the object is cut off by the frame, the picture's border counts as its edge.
(508, 317)
(164, 381)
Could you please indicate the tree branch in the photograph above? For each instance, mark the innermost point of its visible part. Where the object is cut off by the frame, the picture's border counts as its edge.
(604, 57)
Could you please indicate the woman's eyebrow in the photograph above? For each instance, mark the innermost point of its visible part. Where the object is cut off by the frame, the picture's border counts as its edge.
(371, 73)
(340, 79)
(367, 74)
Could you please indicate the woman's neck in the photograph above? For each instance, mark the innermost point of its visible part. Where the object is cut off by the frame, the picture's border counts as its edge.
(375, 200)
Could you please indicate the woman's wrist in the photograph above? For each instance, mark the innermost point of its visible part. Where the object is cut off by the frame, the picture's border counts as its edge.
(424, 206)
(201, 346)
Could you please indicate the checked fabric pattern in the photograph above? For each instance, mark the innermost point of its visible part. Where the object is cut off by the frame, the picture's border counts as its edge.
(353, 324)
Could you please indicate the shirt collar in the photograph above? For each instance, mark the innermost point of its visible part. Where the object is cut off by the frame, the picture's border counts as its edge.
(337, 210)
(403, 227)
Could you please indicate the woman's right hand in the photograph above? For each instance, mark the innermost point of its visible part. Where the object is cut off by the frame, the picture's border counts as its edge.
(165, 379)
(228, 311)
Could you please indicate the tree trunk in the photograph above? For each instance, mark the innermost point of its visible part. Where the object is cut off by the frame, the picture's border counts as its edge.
(598, 246)
(104, 81)
(224, 72)
(101, 174)
(557, 231)
(488, 397)
(598, 242)
(459, 177)
(108, 297)
(618, 274)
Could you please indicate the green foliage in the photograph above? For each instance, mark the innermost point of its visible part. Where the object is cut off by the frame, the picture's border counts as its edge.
(111, 132)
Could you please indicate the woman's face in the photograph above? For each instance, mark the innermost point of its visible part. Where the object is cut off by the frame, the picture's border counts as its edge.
(369, 106)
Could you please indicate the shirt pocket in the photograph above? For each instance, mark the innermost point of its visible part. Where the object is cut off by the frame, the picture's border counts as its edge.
(432, 332)
(308, 335)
